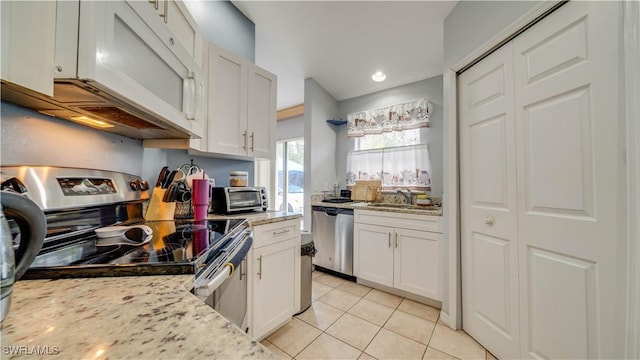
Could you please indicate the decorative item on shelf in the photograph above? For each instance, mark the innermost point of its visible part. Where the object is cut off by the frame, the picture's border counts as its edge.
(184, 203)
(423, 200)
(337, 122)
(239, 178)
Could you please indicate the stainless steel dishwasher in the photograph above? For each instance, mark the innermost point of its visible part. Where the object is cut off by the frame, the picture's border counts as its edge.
(332, 230)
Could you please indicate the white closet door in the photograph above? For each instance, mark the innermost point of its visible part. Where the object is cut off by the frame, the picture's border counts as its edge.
(488, 204)
(569, 216)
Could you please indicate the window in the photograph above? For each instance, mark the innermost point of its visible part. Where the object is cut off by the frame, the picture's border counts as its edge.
(290, 175)
(387, 139)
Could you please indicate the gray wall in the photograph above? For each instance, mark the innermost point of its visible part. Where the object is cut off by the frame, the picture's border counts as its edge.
(290, 128)
(320, 143)
(30, 138)
(223, 24)
(472, 23)
(431, 89)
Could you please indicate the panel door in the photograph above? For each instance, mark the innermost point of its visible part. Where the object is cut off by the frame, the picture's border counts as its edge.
(227, 128)
(184, 27)
(275, 290)
(489, 230)
(28, 44)
(567, 135)
(261, 112)
(373, 253)
(417, 263)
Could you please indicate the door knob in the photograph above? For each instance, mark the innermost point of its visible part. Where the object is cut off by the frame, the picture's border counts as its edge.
(489, 220)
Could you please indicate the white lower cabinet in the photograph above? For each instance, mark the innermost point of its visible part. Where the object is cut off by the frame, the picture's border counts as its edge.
(400, 253)
(274, 276)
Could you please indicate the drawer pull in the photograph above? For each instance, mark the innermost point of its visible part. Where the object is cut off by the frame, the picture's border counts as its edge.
(276, 233)
(489, 220)
(389, 240)
(260, 267)
(396, 240)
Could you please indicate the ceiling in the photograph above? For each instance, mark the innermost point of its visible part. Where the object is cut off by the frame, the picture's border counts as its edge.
(341, 44)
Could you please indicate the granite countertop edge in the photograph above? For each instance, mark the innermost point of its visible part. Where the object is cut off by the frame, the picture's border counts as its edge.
(120, 317)
(365, 206)
(260, 218)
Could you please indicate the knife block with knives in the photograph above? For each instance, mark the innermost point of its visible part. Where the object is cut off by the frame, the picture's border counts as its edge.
(158, 209)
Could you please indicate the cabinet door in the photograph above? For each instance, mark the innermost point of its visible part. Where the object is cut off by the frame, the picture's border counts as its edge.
(28, 39)
(275, 296)
(184, 27)
(373, 253)
(227, 130)
(417, 263)
(261, 112)
(158, 74)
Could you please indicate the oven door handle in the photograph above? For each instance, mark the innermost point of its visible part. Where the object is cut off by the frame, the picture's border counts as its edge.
(226, 271)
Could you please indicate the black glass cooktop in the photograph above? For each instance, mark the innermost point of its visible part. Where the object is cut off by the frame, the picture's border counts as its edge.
(173, 248)
(337, 200)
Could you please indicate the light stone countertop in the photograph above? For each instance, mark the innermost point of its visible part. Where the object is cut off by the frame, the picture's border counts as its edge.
(365, 206)
(137, 317)
(259, 218)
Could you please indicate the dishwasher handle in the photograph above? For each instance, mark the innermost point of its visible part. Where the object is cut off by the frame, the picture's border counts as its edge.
(331, 211)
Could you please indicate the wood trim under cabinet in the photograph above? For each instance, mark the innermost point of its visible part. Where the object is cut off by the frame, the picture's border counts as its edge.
(290, 112)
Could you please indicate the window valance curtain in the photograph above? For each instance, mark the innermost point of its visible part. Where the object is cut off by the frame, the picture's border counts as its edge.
(398, 117)
(402, 166)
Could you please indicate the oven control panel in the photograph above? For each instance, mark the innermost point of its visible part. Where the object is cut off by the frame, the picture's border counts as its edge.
(86, 186)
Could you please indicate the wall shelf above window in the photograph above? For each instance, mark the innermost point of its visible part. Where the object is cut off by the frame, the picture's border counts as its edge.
(337, 122)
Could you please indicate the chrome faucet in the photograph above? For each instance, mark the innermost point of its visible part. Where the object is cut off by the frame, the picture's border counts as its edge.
(407, 195)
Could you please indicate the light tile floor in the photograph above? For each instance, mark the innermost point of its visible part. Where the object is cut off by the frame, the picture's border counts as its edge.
(351, 321)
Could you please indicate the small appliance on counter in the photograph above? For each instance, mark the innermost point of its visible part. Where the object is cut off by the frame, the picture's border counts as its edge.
(228, 200)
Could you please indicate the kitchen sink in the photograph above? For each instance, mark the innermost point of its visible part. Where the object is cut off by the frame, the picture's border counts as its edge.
(404, 206)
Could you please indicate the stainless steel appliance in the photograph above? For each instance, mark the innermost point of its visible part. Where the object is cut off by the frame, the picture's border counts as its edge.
(332, 230)
(227, 200)
(79, 203)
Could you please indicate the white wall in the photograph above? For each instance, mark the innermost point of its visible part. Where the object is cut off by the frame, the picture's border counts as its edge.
(320, 142)
(429, 88)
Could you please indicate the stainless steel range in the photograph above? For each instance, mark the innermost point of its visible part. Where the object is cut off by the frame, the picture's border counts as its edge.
(95, 227)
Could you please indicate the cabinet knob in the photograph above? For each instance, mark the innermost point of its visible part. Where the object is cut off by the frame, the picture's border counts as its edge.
(489, 220)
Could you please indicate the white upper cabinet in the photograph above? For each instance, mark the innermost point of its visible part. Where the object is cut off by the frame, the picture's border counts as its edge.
(113, 61)
(178, 18)
(261, 112)
(28, 34)
(241, 106)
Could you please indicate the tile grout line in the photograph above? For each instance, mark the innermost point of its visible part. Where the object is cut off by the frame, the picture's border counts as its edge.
(395, 309)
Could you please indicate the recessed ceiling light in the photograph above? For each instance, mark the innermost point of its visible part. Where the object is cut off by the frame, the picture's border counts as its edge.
(378, 76)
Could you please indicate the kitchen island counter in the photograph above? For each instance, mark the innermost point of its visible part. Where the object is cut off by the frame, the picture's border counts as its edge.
(120, 317)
